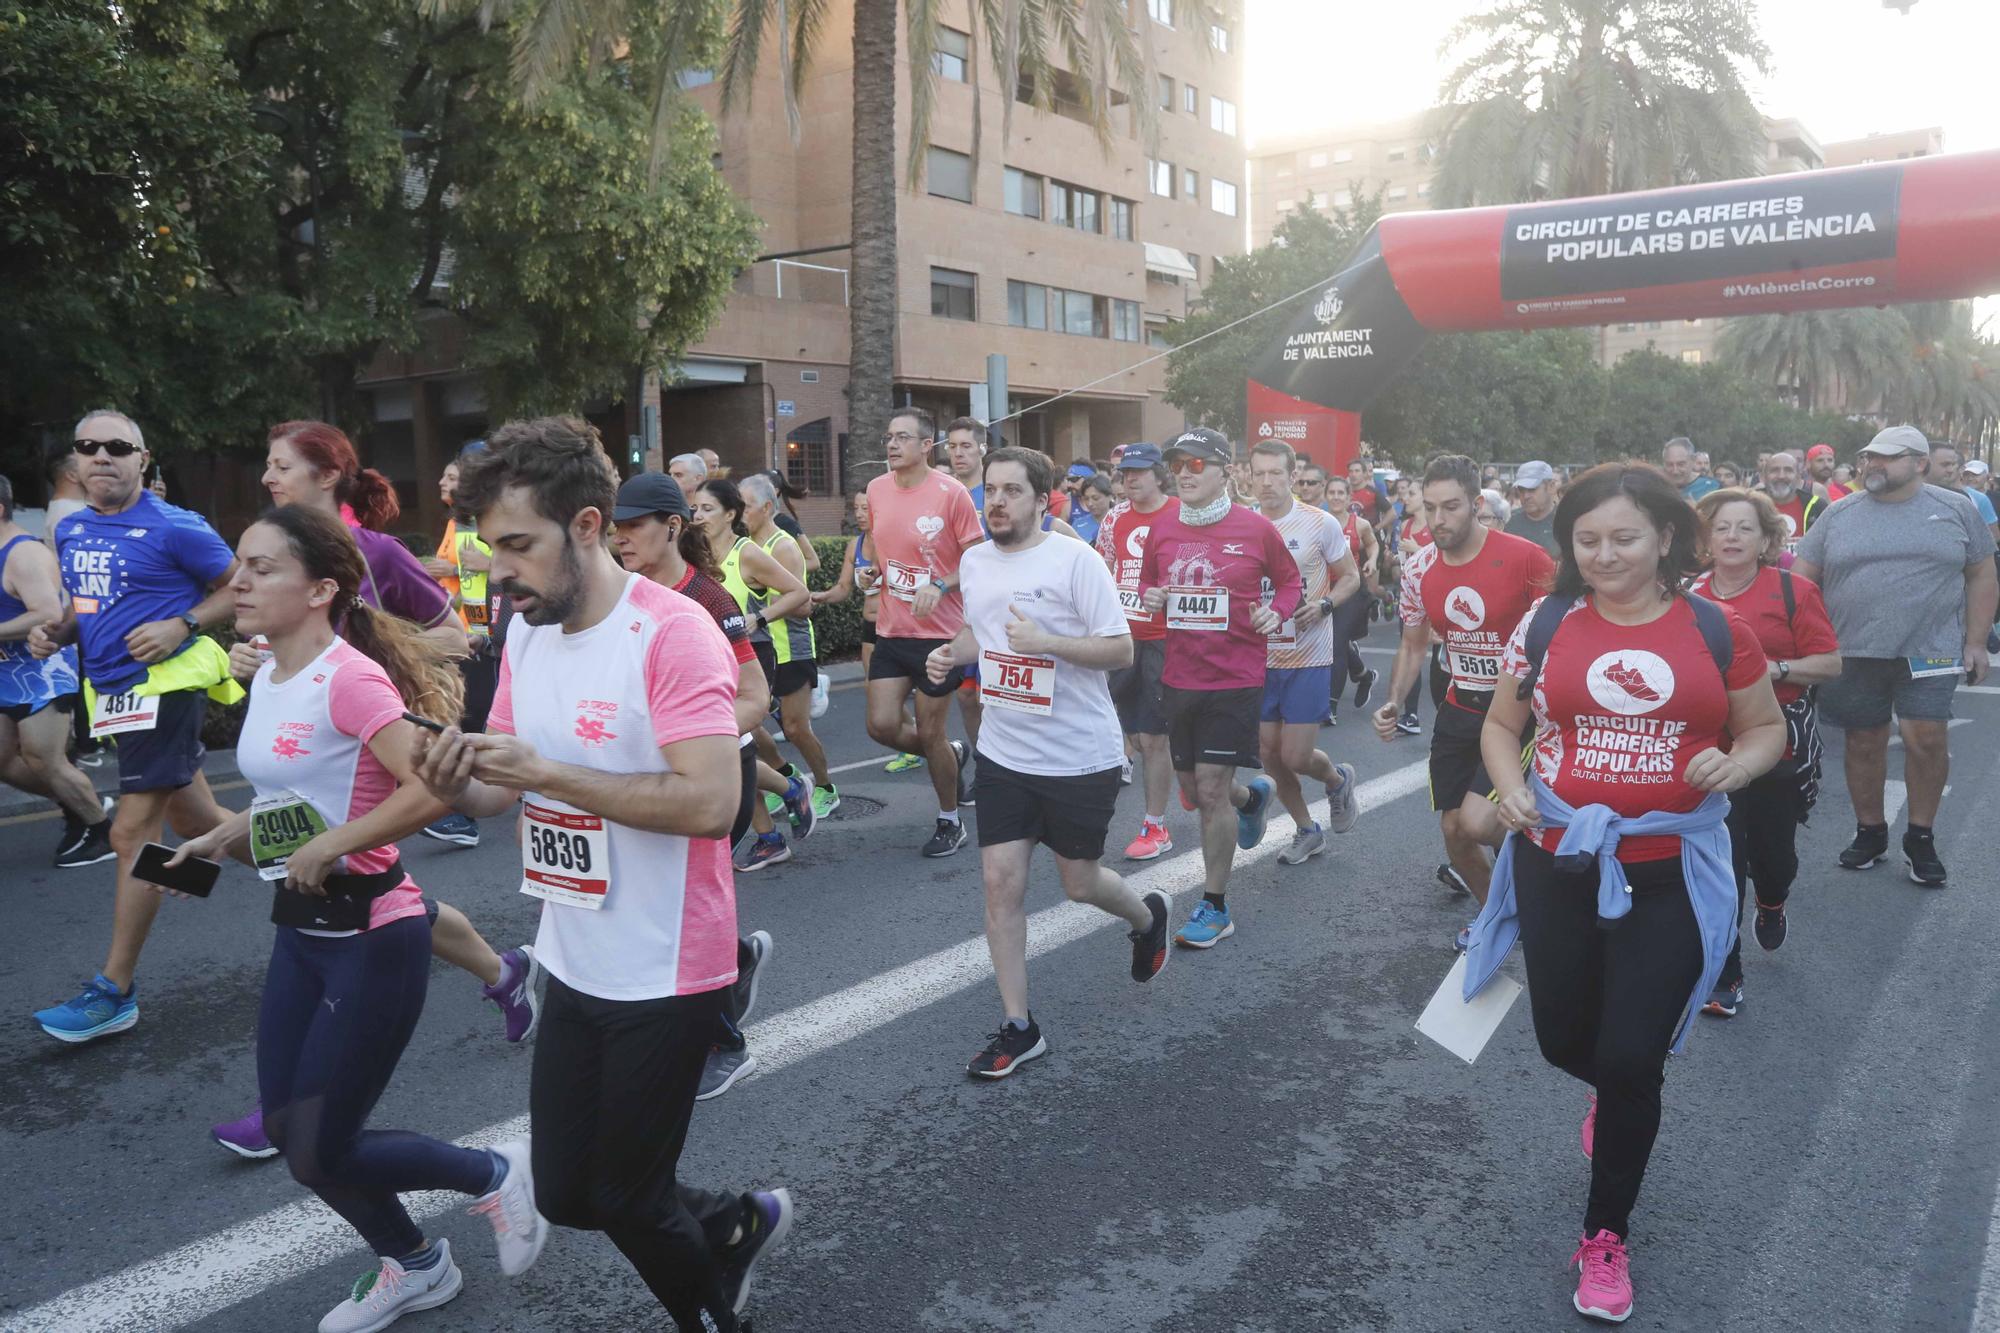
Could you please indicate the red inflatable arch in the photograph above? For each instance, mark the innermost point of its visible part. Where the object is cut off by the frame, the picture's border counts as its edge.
(1920, 230)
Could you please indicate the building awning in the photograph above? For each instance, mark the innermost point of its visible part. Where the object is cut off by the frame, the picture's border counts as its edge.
(1166, 260)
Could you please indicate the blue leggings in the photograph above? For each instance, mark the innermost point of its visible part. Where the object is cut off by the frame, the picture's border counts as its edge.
(335, 1018)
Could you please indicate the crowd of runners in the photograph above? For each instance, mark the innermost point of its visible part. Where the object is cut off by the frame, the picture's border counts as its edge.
(1628, 666)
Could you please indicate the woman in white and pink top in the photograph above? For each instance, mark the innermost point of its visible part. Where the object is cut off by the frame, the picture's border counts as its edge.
(326, 744)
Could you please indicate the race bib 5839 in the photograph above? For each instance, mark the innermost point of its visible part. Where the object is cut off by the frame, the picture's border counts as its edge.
(565, 854)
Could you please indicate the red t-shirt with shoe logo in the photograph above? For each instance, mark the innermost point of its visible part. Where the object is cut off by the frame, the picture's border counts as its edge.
(1474, 607)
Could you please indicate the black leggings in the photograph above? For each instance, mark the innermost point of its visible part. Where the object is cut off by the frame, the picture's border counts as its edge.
(1763, 841)
(750, 796)
(1606, 999)
(611, 1095)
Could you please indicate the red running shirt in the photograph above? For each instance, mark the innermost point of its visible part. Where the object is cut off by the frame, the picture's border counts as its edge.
(1121, 540)
(1793, 513)
(1621, 709)
(1474, 607)
(1219, 570)
(1762, 606)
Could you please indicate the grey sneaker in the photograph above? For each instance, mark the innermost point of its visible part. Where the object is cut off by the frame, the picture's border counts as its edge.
(388, 1293)
(724, 1067)
(1306, 844)
(1343, 802)
(751, 953)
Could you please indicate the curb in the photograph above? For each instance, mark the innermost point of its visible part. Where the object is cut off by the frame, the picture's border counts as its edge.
(219, 767)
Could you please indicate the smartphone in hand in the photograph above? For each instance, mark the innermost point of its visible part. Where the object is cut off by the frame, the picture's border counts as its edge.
(195, 876)
(424, 722)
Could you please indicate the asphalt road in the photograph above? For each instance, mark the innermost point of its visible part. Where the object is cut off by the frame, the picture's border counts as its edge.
(1256, 1141)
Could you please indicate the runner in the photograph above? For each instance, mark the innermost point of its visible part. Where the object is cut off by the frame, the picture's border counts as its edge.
(1619, 864)
(785, 516)
(1135, 689)
(859, 573)
(144, 579)
(38, 695)
(1677, 460)
(1043, 619)
(1471, 586)
(749, 572)
(1742, 537)
(1796, 509)
(1412, 535)
(656, 537)
(326, 748)
(794, 646)
(460, 567)
(1350, 618)
(1206, 567)
(1299, 678)
(1820, 467)
(615, 720)
(923, 523)
(1095, 496)
(1536, 491)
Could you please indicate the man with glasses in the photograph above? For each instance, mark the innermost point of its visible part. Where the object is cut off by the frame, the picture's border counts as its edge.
(144, 579)
(1206, 567)
(921, 521)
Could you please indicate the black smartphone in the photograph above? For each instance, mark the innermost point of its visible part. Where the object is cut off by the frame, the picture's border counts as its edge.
(194, 876)
(424, 722)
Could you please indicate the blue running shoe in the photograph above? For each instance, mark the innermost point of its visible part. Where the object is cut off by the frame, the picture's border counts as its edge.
(1206, 926)
(98, 1012)
(798, 803)
(1255, 814)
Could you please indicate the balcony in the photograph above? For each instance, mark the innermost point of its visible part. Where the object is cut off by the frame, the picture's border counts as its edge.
(794, 280)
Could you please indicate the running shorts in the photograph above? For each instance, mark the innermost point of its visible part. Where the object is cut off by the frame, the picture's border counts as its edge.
(1069, 815)
(1212, 726)
(1297, 694)
(169, 756)
(903, 659)
(1135, 690)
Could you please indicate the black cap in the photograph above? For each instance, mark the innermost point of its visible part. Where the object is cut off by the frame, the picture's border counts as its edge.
(1201, 442)
(649, 493)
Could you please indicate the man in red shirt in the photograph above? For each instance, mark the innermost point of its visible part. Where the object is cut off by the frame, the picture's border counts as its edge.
(1471, 585)
(1796, 508)
(1206, 568)
(1820, 462)
(1121, 540)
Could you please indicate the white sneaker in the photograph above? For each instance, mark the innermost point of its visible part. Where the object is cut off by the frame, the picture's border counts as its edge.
(1306, 844)
(386, 1295)
(518, 1230)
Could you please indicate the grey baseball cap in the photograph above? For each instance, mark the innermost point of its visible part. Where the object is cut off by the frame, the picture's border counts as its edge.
(1897, 441)
(649, 493)
(1532, 474)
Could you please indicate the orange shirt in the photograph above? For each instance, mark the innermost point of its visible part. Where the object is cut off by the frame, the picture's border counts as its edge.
(918, 535)
(447, 551)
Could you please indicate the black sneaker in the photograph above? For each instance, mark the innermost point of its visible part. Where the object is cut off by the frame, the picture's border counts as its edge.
(1409, 726)
(92, 844)
(1008, 1049)
(767, 1216)
(1871, 844)
(752, 951)
(1149, 946)
(1364, 689)
(1770, 927)
(1452, 880)
(1724, 1001)
(964, 772)
(950, 836)
(1920, 855)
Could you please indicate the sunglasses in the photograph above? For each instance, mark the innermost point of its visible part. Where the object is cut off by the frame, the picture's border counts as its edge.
(1192, 466)
(116, 448)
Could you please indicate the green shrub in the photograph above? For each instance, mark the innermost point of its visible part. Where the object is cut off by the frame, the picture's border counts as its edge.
(836, 626)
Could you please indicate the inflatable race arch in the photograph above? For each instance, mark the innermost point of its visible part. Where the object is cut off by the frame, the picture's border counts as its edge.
(1925, 229)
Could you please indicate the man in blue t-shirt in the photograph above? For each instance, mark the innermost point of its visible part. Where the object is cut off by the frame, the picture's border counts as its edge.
(144, 578)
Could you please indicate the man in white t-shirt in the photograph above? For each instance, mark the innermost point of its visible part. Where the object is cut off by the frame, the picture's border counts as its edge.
(613, 727)
(1044, 625)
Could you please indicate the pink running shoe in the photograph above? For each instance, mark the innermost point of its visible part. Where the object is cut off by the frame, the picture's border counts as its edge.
(1590, 1128)
(245, 1136)
(1604, 1286)
(1153, 841)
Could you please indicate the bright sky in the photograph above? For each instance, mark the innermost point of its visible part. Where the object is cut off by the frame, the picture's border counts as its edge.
(1845, 68)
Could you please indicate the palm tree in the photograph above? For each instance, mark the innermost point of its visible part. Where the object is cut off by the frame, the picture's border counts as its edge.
(1825, 359)
(1083, 47)
(1556, 99)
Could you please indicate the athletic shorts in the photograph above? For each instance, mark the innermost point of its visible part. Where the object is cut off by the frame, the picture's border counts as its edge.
(1457, 769)
(1070, 815)
(794, 676)
(62, 703)
(169, 756)
(1135, 690)
(1212, 726)
(868, 631)
(1297, 694)
(1869, 689)
(903, 659)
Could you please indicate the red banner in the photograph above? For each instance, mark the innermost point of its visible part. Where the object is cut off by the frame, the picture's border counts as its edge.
(1328, 437)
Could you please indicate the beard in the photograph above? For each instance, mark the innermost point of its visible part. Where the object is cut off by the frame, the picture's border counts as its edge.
(1875, 481)
(564, 595)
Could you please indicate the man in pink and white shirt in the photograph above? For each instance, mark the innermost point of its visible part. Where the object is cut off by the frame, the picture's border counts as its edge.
(622, 753)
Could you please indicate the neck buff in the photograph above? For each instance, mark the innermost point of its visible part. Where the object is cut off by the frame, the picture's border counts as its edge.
(1211, 513)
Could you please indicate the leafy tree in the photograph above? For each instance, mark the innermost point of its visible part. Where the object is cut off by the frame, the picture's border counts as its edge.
(1566, 98)
(1650, 398)
(1819, 356)
(1500, 397)
(297, 186)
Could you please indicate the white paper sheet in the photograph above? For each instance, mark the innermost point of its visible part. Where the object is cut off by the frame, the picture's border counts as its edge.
(1461, 1028)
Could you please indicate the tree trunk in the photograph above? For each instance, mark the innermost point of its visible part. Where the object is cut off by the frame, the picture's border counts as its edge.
(871, 309)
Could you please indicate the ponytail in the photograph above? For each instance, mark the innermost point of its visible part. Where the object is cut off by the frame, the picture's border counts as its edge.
(372, 498)
(695, 550)
(327, 449)
(428, 680)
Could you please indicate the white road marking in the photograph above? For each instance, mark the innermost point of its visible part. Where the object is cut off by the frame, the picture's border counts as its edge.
(1895, 795)
(233, 1265)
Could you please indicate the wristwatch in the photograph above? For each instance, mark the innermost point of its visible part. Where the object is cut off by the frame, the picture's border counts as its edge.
(193, 623)
(1326, 606)
(939, 584)
(1784, 668)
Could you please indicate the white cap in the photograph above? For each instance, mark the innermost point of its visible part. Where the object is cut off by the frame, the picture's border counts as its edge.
(1897, 441)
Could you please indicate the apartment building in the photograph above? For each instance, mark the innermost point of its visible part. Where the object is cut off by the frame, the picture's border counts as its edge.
(1895, 146)
(1068, 257)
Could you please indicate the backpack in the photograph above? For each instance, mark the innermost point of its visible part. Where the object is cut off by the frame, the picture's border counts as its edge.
(1708, 618)
(1802, 722)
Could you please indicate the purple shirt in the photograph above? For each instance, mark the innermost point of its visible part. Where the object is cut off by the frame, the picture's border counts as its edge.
(396, 583)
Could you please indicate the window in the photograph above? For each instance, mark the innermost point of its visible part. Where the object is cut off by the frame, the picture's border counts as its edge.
(1194, 262)
(1157, 337)
(1121, 218)
(1160, 178)
(953, 294)
(1191, 183)
(1023, 193)
(1073, 206)
(1343, 155)
(1316, 160)
(1221, 115)
(809, 377)
(1076, 312)
(1398, 193)
(1424, 190)
(1190, 99)
(1342, 198)
(1397, 154)
(694, 78)
(1692, 356)
(1218, 37)
(1166, 92)
(1027, 305)
(1222, 196)
(1628, 328)
(1653, 326)
(1162, 11)
(948, 175)
(809, 458)
(954, 52)
(1287, 205)
(1125, 321)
